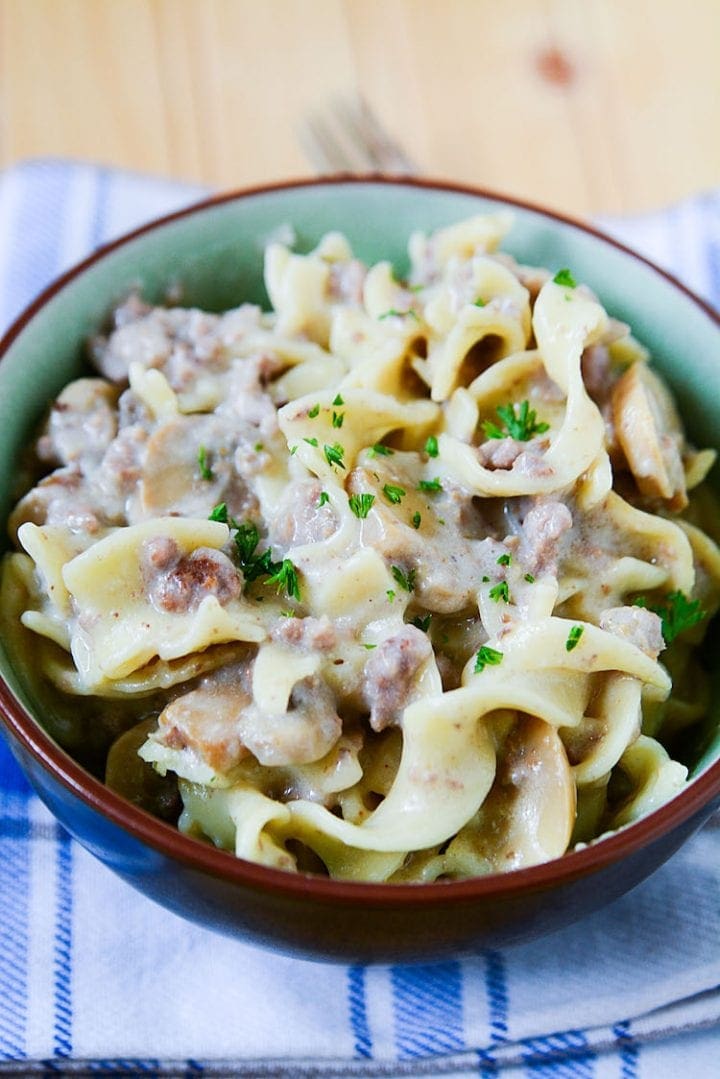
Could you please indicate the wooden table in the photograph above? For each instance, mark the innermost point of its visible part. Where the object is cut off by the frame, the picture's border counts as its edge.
(586, 105)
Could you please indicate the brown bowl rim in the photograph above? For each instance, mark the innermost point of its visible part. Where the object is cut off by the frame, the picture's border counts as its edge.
(168, 841)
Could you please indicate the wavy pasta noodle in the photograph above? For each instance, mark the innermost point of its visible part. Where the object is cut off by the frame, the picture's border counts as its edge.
(403, 580)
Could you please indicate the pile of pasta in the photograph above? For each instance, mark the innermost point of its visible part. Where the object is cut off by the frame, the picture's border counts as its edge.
(469, 551)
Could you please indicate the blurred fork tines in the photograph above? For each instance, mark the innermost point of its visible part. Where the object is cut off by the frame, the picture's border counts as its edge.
(348, 137)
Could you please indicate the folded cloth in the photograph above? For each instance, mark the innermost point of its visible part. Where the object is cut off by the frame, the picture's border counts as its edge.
(96, 979)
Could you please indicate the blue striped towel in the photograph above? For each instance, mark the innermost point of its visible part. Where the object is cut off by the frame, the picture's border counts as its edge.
(96, 979)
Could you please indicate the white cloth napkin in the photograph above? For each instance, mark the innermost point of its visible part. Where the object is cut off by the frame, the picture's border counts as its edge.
(96, 979)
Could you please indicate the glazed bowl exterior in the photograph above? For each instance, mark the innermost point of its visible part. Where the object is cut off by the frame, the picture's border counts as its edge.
(213, 251)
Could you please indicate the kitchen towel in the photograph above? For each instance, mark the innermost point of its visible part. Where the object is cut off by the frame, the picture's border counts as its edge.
(96, 979)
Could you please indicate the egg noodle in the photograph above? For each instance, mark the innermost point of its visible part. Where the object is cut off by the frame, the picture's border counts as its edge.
(383, 574)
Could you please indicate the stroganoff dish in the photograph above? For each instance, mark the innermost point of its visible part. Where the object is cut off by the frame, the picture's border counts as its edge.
(402, 581)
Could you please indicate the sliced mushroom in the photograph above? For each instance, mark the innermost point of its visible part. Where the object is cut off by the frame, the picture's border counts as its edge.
(189, 468)
(137, 781)
(82, 423)
(649, 431)
(207, 722)
(528, 816)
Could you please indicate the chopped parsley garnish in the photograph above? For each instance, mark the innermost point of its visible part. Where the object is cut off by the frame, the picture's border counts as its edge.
(202, 459)
(285, 576)
(677, 612)
(361, 504)
(311, 441)
(479, 302)
(564, 277)
(378, 450)
(573, 638)
(485, 578)
(334, 454)
(393, 493)
(293, 451)
(500, 591)
(258, 447)
(369, 646)
(289, 613)
(394, 313)
(422, 623)
(430, 485)
(416, 519)
(390, 594)
(405, 580)
(246, 539)
(314, 412)
(338, 401)
(529, 578)
(219, 513)
(337, 419)
(431, 446)
(504, 559)
(520, 423)
(487, 657)
(324, 497)
(253, 565)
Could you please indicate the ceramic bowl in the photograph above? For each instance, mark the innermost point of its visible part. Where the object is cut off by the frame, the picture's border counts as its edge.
(214, 250)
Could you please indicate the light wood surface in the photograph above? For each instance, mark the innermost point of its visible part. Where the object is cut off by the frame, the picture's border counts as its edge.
(585, 105)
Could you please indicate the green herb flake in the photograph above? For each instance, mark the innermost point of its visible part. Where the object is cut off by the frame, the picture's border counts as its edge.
(573, 638)
(258, 447)
(337, 419)
(393, 493)
(500, 591)
(338, 401)
(334, 454)
(564, 277)
(246, 539)
(405, 580)
(219, 513)
(390, 594)
(487, 657)
(324, 498)
(311, 441)
(504, 559)
(529, 578)
(416, 519)
(520, 423)
(479, 302)
(430, 485)
(285, 576)
(431, 446)
(361, 504)
(378, 450)
(369, 646)
(314, 412)
(677, 612)
(288, 613)
(293, 451)
(485, 579)
(394, 313)
(206, 472)
(422, 623)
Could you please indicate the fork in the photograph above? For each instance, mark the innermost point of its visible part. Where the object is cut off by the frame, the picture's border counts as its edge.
(348, 137)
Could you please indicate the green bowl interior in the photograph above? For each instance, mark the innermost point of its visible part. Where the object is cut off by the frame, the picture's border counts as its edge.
(214, 256)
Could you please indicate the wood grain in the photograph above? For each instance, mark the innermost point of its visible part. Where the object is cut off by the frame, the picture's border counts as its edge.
(586, 105)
